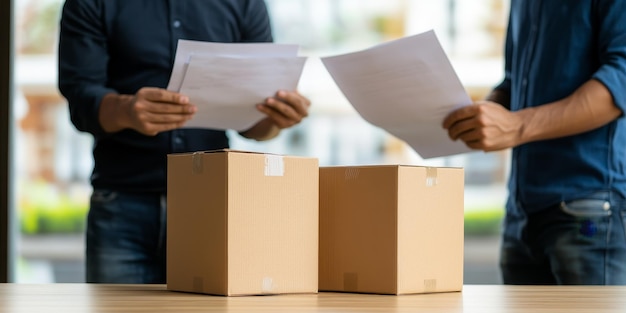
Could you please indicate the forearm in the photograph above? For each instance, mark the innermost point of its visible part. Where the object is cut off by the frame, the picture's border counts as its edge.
(589, 107)
(263, 130)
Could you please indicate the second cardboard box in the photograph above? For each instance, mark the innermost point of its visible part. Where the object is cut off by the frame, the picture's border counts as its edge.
(391, 229)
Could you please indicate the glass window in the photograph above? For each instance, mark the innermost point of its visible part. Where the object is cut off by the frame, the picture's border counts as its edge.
(52, 170)
(54, 163)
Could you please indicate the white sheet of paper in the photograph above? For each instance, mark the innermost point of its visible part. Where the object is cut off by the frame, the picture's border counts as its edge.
(406, 87)
(227, 89)
(186, 48)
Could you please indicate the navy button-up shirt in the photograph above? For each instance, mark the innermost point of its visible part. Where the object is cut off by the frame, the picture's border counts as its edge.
(120, 46)
(552, 48)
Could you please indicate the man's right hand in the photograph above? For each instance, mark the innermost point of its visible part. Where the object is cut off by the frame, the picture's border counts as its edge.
(150, 111)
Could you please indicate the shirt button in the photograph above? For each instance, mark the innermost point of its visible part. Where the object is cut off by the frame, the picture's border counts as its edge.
(524, 82)
(178, 140)
(176, 24)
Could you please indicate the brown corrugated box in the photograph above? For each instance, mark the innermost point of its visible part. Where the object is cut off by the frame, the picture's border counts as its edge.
(391, 229)
(242, 223)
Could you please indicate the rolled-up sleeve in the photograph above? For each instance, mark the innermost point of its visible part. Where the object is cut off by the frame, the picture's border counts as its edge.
(83, 62)
(610, 18)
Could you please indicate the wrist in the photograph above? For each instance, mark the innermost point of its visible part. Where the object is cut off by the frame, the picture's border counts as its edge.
(114, 111)
(264, 130)
(525, 130)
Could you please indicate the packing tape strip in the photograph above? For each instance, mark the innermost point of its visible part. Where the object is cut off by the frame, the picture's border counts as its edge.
(350, 281)
(431, 176)
(352, 173)
(274, 165)
(198, 164)
(267, 285)
(430, 285)
(197, 284)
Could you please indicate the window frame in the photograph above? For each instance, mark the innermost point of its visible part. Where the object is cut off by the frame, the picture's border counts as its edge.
(6, 71)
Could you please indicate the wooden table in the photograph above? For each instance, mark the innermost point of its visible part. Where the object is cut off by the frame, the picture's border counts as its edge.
(69, 298)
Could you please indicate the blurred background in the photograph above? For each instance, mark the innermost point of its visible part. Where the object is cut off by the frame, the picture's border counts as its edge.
(52, 161)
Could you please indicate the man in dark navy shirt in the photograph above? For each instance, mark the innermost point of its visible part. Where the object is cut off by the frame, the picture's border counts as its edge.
(565, 86)
(115, 59)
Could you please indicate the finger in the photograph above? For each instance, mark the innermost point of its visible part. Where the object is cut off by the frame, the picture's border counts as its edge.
(484, 145)
(294, 99)
(280, 120)
(458, 115)
(142, 103)
(157, 118)
(162, 95)
(168, 108)
(273, 106)
(461, 127)
(471, 136)
(475, 144)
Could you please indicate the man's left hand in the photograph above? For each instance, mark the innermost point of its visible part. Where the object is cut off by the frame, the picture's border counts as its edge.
(286, 108)
(485, 125)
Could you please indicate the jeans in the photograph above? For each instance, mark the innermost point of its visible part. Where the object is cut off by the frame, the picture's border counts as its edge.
(126, 238)
(581, 242)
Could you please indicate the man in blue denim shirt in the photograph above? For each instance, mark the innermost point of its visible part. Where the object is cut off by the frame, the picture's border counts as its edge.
(565, 88)
(115, 58)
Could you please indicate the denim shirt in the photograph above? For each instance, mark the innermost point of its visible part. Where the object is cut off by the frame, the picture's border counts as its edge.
(552, 48)
(120, 46)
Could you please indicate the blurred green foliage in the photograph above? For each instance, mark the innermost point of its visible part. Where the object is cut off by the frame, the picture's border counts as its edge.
(483, 222)
(63, 217)
(44, 210)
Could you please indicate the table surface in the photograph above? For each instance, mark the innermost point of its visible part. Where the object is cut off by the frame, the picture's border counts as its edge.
(68, 298)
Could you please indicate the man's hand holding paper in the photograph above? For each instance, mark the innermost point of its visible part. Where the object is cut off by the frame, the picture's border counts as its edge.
(285, 109)
(227, 89)
(407, 87)
(240, 86)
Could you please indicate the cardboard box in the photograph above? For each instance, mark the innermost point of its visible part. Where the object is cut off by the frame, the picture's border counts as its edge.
(242, 223)
(391, 229)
